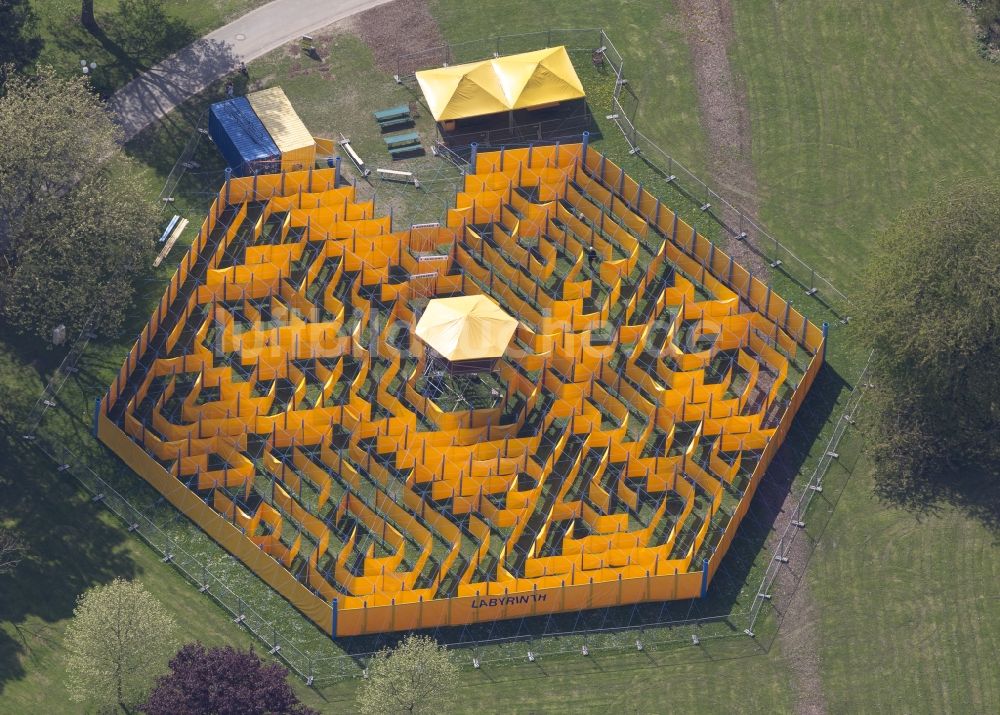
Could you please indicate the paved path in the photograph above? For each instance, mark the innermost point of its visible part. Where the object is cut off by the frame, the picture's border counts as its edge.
(187, 72)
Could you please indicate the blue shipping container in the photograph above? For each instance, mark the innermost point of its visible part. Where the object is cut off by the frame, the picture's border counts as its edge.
(242, 138)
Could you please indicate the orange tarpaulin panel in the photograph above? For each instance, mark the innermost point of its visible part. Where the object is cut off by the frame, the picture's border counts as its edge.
(636, 395)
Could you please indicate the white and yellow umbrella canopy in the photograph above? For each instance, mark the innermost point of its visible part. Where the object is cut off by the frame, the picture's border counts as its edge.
(467, 327)
(530, 79)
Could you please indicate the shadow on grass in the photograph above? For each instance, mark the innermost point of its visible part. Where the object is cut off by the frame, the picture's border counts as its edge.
(124, 43)
(70, 549)
(973, 489)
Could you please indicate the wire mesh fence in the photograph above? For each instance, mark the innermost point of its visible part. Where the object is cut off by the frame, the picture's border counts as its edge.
(182, 165)
(734, 221)
(536, 642)
(546, 639)
(796, 520)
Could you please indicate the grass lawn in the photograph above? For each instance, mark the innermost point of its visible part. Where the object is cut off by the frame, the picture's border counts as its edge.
(858, 109)
(851, 121)
(875, 106)
(126, 43)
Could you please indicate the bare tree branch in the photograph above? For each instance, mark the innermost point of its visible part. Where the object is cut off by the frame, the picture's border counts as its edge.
(12, 550)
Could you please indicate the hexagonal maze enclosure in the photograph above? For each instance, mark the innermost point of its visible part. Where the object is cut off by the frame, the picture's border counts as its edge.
(280, 398)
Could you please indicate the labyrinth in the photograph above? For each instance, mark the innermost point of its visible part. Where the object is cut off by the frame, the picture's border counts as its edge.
(280, 398)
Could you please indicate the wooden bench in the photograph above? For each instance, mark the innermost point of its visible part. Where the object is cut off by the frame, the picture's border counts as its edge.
(405, 177)
(353, 155)
(392, 114)
(397, 140)
(175, 229)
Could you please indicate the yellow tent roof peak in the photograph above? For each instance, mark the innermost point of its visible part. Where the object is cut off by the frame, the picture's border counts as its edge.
(466, 327)
(521, 81)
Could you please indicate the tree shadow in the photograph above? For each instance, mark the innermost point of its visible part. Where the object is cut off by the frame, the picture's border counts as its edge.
(19, 43)
(124, 43)
(168, 85)
(973, 489)
(70, 548)
(31, 353)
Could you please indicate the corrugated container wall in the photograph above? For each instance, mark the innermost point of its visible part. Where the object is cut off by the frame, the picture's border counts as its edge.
(242, 138)
(293, 139)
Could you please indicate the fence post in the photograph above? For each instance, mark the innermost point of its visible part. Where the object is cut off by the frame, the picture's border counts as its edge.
(826, 334)
(583, 150)
(474, 155)
(704, 577)
(336, 172)
(812, 282)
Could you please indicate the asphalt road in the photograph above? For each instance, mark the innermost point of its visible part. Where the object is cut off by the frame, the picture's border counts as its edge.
(187, 72)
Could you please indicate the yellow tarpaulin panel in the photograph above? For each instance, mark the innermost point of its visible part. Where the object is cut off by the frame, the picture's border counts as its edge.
(530, 79)
(468, 327)
(290, 135)
(570, 407)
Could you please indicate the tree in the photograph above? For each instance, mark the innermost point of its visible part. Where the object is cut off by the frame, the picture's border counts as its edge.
(12, 550)
(987, 14)
(75, 227)
(119, 639)
(418, 676)
(19, 43)
(223, 681)
(87, 18)
(930, 311)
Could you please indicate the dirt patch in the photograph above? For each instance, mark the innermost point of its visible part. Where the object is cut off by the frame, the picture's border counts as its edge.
(383, 29)
(798, 636)
(725, 116)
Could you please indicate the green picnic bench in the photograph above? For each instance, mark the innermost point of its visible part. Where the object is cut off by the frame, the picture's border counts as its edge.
(402, 121)
(399, 151)
(393, 114)
(399, 140)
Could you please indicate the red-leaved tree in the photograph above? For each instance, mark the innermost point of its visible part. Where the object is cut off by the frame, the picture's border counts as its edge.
(223, 681)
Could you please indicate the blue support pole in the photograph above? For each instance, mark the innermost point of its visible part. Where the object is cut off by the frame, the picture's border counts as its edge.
(826, 334)
(229, 176)
(583, 152)
(473, 155)
(704, 577)
(336, 172)
(333, 618)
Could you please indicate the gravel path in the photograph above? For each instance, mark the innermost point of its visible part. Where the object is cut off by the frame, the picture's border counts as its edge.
(724, 115)
(187, 72)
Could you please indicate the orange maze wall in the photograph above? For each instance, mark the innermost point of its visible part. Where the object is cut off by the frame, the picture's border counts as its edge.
(275, 397)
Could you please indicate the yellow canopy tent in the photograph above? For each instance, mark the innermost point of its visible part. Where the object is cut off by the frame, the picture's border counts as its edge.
(530, 79)
(468, 327)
